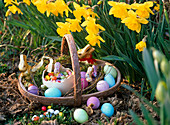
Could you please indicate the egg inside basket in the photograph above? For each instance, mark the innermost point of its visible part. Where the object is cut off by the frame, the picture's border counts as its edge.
(64, 84)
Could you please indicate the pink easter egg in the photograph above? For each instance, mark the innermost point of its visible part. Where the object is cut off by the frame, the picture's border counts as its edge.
(84, 83)
(102, 85)
(83, 74)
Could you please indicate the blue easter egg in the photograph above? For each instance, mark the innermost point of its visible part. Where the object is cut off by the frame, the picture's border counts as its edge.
(110, 80)
(52, 92)
(107, 109)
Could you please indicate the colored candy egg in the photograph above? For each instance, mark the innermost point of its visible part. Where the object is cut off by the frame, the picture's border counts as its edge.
(33, 117)
(47, 77)
(54, 78)
(107, 109)
(51, 111)
(110, 80)
(95, 101)
(52, 92)
(51, 74)
(56, 112)
(44, 108)
(84, 83)
(41, 116)
(109, 69)
(80, 115)
(33, 89)
(102, 85)
(83, 74)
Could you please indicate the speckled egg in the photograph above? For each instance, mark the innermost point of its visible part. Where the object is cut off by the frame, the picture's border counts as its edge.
(107, 109)
(52, 92)
(109, 69)
(33, 89)
(110, 80)
(84, 83)
(95, 101)
(83, 74)
(102, 85)
(80, 115)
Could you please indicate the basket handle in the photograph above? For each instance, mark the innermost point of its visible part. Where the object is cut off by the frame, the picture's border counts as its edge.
(69, 43)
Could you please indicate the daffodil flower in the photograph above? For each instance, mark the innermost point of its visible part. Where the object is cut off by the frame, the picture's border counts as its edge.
(74, 25)
(133, 22)
(94, 39)
(143, 10)
(91, 26)
(63, 28)
(28, 2)
(84, 11)
(119, 9)
(141, 45)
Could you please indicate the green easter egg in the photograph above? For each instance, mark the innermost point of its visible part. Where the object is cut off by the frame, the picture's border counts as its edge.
(80, 115)
(109, 69)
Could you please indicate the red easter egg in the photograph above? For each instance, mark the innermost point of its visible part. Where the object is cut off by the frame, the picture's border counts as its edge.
(44, 108)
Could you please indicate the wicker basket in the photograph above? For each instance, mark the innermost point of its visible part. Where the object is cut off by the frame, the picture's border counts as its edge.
(68, 46)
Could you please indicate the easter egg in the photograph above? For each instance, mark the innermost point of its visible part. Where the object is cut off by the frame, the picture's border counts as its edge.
(80, 115)
(47, 77)
(51, 74)
(107, 109)
(41, 116)
(33, 89)
(56, 112)
(84, 83)
(83, 74)
(95, 101)
(51, 111)
(102, 85)
(110, 80)
(44, 108)
(54, 78)
(109, 69)
(33, 117)
(52, 92)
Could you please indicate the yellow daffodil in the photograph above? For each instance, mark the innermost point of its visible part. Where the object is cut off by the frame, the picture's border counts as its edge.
(14, 9)
(94, 39)
(84, 11)
(41, 5)
(63, 28)
(133, 22)
(74, 25)
(28, 2)
(91, 26)
(141, 45)
(143, 10)
(119, 9)
(157, 6)
(60, 7)
(8, 2)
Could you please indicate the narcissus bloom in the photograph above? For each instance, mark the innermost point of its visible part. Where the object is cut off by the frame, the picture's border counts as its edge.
(27, 2)
(60, 7)
(84, 11)
(74, 25)
(141, 45)
(41, 5)
(157, 7)
(91, 26)
(63, 28)
(8, 2)
(14, 9)
(94, 39)
(143, 10)
(133, 22)
(119, 9)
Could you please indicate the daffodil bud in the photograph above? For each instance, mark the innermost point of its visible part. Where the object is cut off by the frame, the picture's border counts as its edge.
(158, 55)
(161, 91)
(99, 2)
(164, 66)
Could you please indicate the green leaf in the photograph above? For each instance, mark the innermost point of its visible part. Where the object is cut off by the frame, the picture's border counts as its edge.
(147, 116)
(113, 57)
(150, 71)
(136, 118)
